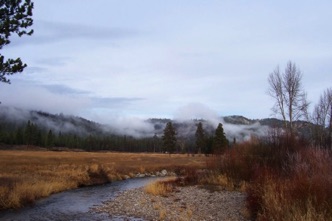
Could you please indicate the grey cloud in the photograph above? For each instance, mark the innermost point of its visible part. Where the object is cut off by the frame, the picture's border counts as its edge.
(54, 61)
(46, 32)
(56, 98)
(62, 89)
(34, 69)
(67, 30)
(114, 101)
(100, 102)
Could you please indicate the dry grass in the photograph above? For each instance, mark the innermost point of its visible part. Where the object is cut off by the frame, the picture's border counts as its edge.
(222, 180)
(160, 188)
(29, 175)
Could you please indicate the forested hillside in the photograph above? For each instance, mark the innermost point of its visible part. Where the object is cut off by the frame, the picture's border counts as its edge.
(57, 131)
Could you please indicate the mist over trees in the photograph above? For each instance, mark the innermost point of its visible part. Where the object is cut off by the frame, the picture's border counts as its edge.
(33, 128)
(56, 132)
(16, 18)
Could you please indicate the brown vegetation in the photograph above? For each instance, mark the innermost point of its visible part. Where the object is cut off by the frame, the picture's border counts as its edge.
(29, 175)
(161, 188)
(291, 181)
(302, 192)
(288, 181)
(285, 179)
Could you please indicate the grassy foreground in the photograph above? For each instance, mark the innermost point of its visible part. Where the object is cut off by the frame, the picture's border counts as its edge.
(283, 181)
(26, 176)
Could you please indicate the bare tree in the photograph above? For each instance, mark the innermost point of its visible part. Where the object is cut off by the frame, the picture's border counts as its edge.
(322, 119)
(290, 99)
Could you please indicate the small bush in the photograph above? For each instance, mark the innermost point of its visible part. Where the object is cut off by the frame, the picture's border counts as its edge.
(160, 188)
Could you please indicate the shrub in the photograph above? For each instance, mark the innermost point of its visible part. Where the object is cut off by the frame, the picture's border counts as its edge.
(302, 193)
(160, 188)
(288, 180)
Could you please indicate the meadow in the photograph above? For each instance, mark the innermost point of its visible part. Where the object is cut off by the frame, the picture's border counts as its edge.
(284, 180)
(26, 176)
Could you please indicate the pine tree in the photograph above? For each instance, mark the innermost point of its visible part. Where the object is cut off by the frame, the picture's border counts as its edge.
(15, 18)
(19, 136)
(200, 139)
(220, 141)
(169, 138)
(32, 134)
(29, 133)
(50, 139)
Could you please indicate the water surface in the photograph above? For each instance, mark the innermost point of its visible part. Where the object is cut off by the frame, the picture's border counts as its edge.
(74, 204)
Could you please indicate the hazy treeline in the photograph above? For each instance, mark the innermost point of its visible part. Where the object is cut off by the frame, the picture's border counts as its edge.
(32, 134)
(36, 128)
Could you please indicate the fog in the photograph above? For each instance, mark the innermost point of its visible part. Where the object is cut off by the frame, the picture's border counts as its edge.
(185, 121)
(197, 111)
(131, 126)
(56, 123)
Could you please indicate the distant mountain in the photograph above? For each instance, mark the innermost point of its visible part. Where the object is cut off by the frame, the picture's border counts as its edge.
(235, 126)
(239, 120)
(16, 117)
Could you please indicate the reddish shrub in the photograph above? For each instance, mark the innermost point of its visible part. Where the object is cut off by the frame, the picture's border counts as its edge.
(287, 181)
(304, 194)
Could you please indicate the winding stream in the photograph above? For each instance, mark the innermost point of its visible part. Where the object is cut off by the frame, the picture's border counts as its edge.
(74, 204)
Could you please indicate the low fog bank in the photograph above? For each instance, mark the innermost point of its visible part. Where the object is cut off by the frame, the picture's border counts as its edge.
(185, 121)
(130, 126)
(237, 127)
(17, 117)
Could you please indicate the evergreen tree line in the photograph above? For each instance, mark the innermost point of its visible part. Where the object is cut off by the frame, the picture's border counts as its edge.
(31, 134)
(204, 143)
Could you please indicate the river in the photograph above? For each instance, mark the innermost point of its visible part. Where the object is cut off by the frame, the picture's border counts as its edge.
(75, 204)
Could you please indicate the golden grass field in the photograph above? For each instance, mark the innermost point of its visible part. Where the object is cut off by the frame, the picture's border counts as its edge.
(29, 175)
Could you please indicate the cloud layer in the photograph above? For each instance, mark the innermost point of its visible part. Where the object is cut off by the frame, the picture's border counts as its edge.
(107, 59)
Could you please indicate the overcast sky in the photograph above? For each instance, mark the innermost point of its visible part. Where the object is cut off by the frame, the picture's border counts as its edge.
(104, 59)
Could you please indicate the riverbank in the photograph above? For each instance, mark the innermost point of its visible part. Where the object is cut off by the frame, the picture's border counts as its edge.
(75, 204)
(26, 176)
(184, 203)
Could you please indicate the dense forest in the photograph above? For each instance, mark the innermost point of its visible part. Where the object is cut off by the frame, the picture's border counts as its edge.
(58, 131)
(36, 128)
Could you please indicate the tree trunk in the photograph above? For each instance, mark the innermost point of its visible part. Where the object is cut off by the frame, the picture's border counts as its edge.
(330, 130)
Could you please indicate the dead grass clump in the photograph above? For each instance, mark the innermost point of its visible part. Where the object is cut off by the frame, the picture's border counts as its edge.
(217, 179)
(160, 188)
